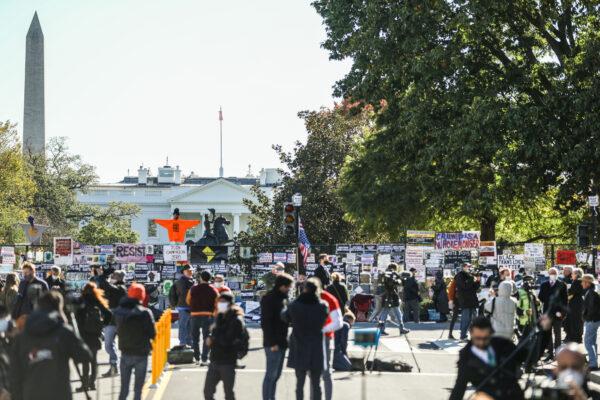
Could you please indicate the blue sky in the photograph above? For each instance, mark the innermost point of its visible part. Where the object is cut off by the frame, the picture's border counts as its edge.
(130, 82)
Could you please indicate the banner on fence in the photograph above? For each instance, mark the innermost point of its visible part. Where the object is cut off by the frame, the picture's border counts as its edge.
(466, 240)
(512, 261)
(422, 238)
(487, 249)
(566, 257)
(175, 253)
(63, 251)
(534, 249)
(130, 253)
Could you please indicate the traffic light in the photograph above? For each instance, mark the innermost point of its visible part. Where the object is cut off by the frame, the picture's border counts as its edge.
(583, 235)
(289, 219)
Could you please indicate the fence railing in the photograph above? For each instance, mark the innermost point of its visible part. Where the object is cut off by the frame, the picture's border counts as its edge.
(161, 345)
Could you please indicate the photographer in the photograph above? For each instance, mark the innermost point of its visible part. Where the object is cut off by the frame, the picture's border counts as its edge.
(466, 294)
(391, 299)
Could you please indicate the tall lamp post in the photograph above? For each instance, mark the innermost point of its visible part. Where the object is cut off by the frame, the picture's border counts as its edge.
(297, 201)
(593, 203)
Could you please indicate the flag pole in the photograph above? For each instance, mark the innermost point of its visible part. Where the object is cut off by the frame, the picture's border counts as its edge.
(221, 140)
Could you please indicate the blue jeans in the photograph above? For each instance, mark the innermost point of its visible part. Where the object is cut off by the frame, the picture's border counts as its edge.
(185, 336)
(200, 324)
(110, 333)
(590, 341)
(466, 316)
(130, 363)
(273, 373)
(395, 312)
(327, 382)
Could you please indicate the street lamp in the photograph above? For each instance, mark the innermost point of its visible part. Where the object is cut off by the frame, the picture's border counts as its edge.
(297, 201)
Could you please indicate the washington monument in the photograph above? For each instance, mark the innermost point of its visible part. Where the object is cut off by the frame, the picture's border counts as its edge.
(34, 135)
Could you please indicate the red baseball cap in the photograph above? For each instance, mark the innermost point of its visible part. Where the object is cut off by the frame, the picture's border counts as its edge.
(137, 291)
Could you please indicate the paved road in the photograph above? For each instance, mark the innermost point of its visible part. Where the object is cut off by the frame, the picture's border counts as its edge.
(432, 376)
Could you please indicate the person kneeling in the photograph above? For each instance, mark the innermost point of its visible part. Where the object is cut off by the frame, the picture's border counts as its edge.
(228, 341)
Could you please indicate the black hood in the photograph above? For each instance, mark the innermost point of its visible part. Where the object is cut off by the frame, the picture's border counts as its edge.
(129, 308)
(41, 323)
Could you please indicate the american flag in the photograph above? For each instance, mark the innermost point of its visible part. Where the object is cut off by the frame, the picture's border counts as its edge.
(304, 244)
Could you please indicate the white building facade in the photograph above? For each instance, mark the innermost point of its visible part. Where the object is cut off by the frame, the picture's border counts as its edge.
(157, 196)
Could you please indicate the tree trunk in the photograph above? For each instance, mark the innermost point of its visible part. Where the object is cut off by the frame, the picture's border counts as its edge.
(488, 228)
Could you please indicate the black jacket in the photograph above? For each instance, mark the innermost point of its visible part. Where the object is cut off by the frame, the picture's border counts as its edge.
(55, 283)
(591, 305)
(466, 290)
(391, 285)
(557, 295)
(40, 358)
(340, 292)
(29, 292)
(90, 333)
(226, 334)
(179, 291)
(307, 315)
(274, 329)
(114, 293)
(505, 383)
(323, 274)
(135, 327)
(411, 289)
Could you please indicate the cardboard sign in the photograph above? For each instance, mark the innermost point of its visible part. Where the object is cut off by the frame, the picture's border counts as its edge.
(265, 258)
(130, 253)
(63, 251)
(487, 249)
(512, 261)
(175, 253)
(566, 257)
(426, 238)
(534, 249)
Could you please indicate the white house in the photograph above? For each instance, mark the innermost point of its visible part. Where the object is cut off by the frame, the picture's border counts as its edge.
(157, 197)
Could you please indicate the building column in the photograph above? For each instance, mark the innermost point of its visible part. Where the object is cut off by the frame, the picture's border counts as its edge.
(236, 223)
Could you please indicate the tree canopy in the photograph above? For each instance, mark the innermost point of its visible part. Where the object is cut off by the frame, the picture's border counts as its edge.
(479, 105)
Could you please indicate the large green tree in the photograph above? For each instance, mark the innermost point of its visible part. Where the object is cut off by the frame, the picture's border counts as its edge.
(112, 224)
(16, 186)
(481, 105)
(312, 169)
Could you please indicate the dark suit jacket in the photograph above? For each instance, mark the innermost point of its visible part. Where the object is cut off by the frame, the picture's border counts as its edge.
(557, 295)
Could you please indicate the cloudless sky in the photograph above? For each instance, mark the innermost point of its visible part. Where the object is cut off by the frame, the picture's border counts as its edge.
(130, 82)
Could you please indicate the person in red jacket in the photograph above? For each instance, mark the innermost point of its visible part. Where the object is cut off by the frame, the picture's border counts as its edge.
(333, 323)
(202, 298)
(220, 285)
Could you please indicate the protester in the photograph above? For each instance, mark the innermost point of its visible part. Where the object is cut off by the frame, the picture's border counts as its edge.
(269, 278)
(440, 296)
(92, 316)
(136, 330)
(338, 289)
(466, 295)
(411, 298)
(391, 299)
(505, 276)
(114, 291)
(178, 300)
(453, 304)
(553, 295)
(307, 315)
(591, 316)
(322, 271)
(9, 293)
(341, 362)
(30, 289)
(201, 299)
(527, 307)
(567, 276)
(228, 340)
(520, 275)
(39, 362)
(275, 331)
(6, 331)
(55, 281)
(481, 355)
(574, 319)
(332, 325)
(219, 284)
(502, 311)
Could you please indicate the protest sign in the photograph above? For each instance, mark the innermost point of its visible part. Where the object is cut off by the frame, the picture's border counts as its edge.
(566, 257)
(534, 249)
(425, 238)
(414, 259)
(512, 261)
(465, 240)
(63, 251)
(130, 253)
(265, 258)
(487, 249)
(175, 253)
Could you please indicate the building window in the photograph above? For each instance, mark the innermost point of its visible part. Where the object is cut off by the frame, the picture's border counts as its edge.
(152, 231)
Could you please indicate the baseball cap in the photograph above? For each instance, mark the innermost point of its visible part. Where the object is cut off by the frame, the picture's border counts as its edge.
(137, 291)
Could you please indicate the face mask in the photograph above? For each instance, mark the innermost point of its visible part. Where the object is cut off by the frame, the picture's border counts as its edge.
(4, 323)
(568, 376)
(218, 284)
(552, 278)
(113, 281)
(222, 307)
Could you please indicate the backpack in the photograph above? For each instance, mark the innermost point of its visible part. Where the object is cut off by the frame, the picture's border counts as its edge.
(93, 320)
(243, 344)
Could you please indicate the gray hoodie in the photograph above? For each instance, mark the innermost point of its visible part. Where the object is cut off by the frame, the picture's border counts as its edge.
(502, 310)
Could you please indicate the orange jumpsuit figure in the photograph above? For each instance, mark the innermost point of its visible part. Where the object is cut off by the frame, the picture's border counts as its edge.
(177, 227)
